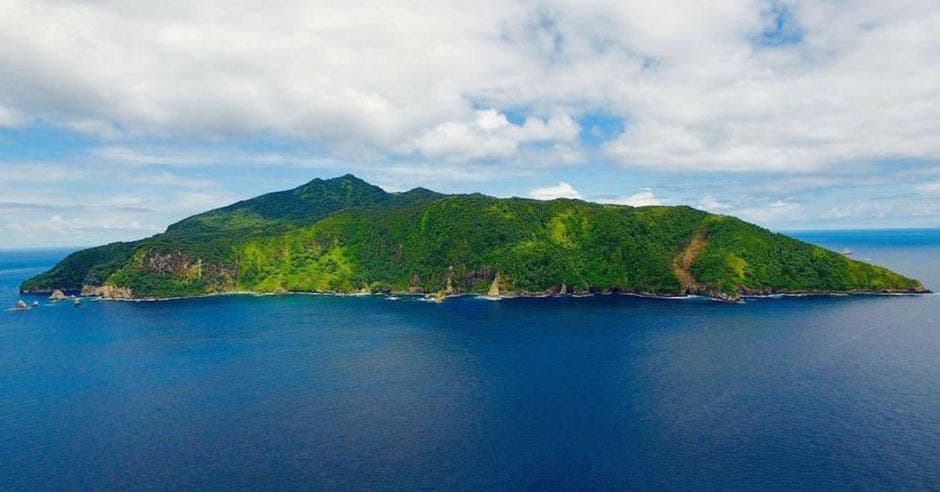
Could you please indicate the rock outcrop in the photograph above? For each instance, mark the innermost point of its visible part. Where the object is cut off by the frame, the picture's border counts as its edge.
(414, 284)
(57, 295)
(20, 305)
(107, 291)
(483, 274)
(449, 289)
(497, 287)
(185, 265)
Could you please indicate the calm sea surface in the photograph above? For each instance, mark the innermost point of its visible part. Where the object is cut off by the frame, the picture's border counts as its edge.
(363, 392)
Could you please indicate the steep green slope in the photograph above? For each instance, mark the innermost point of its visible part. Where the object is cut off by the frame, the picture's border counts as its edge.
(90, 266)
(344, 235)
(302, 205)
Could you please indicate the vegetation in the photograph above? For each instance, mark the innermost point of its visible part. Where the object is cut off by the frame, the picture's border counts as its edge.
(92, 266)
(346, 235)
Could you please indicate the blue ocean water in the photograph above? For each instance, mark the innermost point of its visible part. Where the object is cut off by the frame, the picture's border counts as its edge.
(363, 392)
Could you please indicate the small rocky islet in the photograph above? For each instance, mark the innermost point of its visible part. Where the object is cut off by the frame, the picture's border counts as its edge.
(344, 235)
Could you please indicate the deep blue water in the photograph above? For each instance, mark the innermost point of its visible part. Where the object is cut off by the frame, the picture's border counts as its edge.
(362, 392)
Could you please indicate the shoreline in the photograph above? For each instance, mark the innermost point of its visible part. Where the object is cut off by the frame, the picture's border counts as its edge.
(482, 296)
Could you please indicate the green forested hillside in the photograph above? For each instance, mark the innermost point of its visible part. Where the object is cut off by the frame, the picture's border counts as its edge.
(345, 235)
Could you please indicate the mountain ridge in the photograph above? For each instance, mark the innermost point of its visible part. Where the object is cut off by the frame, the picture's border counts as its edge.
(346, 235)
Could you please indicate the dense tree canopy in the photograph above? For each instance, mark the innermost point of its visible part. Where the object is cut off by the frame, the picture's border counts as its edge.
(346, 235)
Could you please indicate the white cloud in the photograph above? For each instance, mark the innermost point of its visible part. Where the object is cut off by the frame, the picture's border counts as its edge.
(491, 135)
(98, 128)
(449, 93)
(642, 198)
(77, 203)
(695, 88)
(561, 190)
(162, 156)
(881, 209)
(711, 204)
(929, 187)
(47, 172)
(779, 211)
(9, 117)
(78, 227)
(844, 94)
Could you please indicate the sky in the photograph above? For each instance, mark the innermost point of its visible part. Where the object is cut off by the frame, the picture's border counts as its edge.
(120, 118)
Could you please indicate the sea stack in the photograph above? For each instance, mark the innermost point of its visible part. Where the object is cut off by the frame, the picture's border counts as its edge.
(20, 305)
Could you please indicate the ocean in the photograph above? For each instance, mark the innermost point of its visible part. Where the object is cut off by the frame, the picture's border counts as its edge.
(603, 392)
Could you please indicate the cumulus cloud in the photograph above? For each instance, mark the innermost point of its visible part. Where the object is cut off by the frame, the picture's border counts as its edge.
(642, 198)
(560, 190)
(841, 94)
(491, 135)
(726, 87)
(763, 107)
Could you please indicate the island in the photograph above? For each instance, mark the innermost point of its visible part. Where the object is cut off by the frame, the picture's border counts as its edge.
(344, 235)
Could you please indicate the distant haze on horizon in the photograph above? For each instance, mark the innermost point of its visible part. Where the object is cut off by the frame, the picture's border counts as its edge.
(117, 119)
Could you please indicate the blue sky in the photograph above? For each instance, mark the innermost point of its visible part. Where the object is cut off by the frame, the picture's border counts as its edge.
(118, 120)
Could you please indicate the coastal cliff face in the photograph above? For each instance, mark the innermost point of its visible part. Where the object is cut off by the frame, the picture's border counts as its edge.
(344, 235)
(108, 291)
